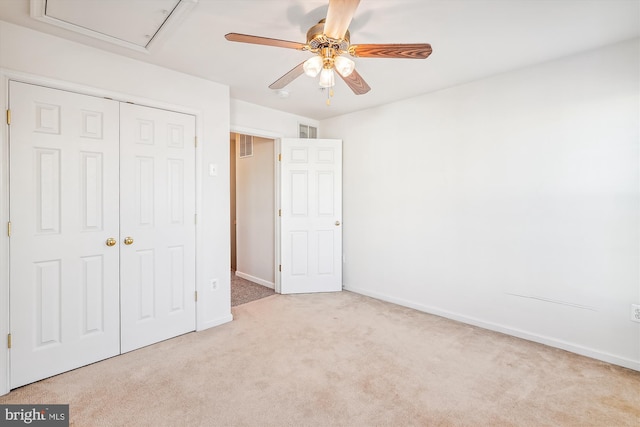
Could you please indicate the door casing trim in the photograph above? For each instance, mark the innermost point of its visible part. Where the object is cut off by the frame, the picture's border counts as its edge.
(276, 137)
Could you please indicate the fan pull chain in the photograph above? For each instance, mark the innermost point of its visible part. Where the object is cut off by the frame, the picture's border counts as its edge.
(329, 95)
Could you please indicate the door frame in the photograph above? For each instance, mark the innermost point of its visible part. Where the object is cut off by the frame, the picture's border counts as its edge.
(276, 189)
(5, 76)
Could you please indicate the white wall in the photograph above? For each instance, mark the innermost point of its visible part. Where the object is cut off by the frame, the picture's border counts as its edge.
(255, 213)
(510, 202)
(252, 119)
(74, 66)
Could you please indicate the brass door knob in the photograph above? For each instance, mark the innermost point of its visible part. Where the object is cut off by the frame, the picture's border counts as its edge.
(111, 241)
(128, 240)
(337, 223)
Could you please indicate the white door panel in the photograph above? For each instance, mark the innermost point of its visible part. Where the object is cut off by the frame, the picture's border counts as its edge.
(157, 201)
(310, 223)
(81, 173)
(63, 207)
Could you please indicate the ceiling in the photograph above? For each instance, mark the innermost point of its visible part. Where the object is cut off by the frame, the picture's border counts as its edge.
(471, 39)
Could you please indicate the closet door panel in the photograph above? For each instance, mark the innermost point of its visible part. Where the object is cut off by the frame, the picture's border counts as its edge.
(157, 200)
(64, 284)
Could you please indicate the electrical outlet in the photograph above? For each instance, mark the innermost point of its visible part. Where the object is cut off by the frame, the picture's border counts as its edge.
(213, 284)
(635, 312)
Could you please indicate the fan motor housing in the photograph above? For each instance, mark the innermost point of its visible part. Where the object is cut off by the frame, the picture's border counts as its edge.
(317, 40)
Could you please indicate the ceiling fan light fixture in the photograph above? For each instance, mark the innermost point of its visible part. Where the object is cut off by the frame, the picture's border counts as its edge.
(345, 66)
(328, 40)
(327, 78)
(312, 66)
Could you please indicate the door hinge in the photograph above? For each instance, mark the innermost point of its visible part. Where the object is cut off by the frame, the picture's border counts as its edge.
(195, 140)
(280, 267)
(9, 229)
(196, 296)
(9, 341)
(280, 157)
(195, 219)
(8, 117)
(279, 212)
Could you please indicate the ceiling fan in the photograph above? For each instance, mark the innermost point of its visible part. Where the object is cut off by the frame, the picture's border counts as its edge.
(330, 42)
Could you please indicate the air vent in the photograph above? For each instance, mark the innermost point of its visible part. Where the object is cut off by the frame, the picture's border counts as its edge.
(307, 131)
(246, 146)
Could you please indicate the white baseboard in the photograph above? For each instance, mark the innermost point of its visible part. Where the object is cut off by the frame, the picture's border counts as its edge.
(256, 280)
(214, 322)
(552, 342)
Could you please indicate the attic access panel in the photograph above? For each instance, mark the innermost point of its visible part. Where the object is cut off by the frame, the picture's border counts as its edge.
(132, 24)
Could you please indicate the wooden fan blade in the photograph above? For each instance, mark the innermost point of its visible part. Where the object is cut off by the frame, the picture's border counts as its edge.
(296, 72)
(339, 17)
(246, 38)
(411, 50)
(356, 83)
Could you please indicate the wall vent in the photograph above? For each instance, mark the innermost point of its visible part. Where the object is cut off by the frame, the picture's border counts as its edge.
(307, 131)
(246, 146)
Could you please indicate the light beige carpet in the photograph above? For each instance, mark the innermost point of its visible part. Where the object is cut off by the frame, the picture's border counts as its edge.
(343, 360)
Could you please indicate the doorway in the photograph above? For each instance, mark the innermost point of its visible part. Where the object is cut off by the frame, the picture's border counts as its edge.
(252, 212)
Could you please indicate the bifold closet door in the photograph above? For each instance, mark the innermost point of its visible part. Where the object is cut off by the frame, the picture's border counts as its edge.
(64, 284)
(157, 224)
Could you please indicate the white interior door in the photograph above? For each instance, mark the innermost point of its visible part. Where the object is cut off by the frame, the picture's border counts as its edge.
(311, 215)
(64, 294)
(157, 203)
